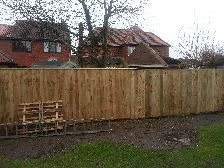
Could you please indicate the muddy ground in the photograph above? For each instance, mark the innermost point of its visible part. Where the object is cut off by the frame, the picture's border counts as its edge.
(157, 134)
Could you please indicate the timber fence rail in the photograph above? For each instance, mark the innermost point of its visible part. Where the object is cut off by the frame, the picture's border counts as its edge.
(113, 93)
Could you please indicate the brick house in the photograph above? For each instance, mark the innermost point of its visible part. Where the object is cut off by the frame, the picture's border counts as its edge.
(27, 42)
(122, 42)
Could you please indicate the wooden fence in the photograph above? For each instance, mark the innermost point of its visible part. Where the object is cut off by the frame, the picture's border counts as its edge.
(117, 93)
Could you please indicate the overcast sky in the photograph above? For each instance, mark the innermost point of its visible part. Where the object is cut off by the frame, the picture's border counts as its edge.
(167, 17)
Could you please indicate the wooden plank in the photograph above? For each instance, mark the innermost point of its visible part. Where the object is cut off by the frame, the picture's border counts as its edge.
(132, 94)
(167, 93)
(155, 96)
(177, 90)
(148, 92)
(195, 92)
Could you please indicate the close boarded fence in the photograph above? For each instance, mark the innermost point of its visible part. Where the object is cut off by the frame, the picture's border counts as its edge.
(113, 93)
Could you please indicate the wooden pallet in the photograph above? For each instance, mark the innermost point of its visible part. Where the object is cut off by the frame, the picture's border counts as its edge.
(54, 128)
(40, 113)
(46, 119)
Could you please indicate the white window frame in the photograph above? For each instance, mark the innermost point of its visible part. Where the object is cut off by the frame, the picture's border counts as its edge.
(57, 47)
(27, 45)
(130, 49)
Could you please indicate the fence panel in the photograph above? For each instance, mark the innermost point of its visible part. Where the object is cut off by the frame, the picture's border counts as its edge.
(117, 93)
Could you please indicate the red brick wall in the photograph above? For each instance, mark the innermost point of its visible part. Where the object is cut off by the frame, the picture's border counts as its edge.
(163, 51)
(24, 59)
(87, 51)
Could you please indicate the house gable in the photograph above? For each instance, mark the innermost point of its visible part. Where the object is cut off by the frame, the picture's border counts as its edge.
(145, 55)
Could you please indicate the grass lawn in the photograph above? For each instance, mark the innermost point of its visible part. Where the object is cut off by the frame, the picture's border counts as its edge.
(208, 153)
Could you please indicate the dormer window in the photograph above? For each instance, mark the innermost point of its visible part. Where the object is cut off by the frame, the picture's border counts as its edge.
(21, 46)
(130, 49)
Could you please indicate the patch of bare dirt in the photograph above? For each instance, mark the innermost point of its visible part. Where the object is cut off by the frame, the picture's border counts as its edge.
(157, 134)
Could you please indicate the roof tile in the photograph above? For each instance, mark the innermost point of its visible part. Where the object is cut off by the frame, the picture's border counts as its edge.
(132, 36)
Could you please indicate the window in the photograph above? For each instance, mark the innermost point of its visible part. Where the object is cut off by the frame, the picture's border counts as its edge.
(130, 49)
(52, 47)
(21, 45)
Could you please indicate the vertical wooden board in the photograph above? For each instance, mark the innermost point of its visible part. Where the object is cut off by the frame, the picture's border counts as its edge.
(155, 96)
(56, 85)
(16, 94)
(89, 99)
(209, 89)
(82, 88)
(201, 91)
(69, 93)
(107, 93)
(161, 93)
(74, 95)
(78, 93)
(165, 93)
(99, 94)
(132, 94)
(222, 91)
(83, 93)
(10, 100)
(177, 90)
(28, 92)
(168, 93)
(41, 89)
(127, 91)
(51, 83)
(188, 87)
(35, 85)
(135, 92)
(195, 92)
(23, 82)
(3, 97)
(103, 92)
(116, 99)
(123, 93)
(80, 83)
(204, 90)
(184, 93)
(118, 111)
(94, 93)
(140, 95)
(199, 99)
(220, 83)
(214, 85)
(111, 94)
(148, 91)
(218, 90)
(65, 89)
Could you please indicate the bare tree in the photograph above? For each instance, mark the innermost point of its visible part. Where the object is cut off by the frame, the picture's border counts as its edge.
(200, 48)
(102, 13)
